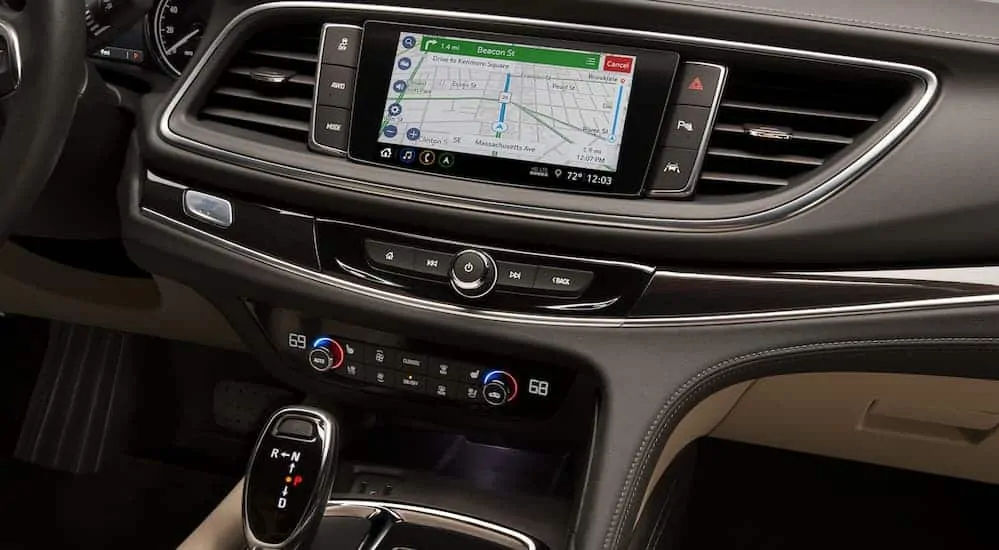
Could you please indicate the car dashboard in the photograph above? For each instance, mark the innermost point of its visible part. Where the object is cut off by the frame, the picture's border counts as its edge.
(564, 225)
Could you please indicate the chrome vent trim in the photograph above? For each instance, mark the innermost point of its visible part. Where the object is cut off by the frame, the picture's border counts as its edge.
(793, 207)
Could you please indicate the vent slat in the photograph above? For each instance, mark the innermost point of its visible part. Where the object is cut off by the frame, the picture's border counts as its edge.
(795, 134)
(244, 118)
(298, 102)
(269, 84)
(744, 179)
(750, 106)
(788, 159)
(280, 54)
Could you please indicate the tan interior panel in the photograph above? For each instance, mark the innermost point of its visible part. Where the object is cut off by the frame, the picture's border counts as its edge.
(223, 528)
(698, 423)
(926, 423)
(35, 286)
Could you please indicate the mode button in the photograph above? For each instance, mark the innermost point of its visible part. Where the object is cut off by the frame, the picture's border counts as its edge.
(562, 281)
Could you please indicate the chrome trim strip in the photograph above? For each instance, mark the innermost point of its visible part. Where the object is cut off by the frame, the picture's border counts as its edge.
(313, 144)
(482, 524)
(702, 149)
(13, 51)
(790, 208)
(191, 194)
(363, 274)
(584, 307)
(565, 321)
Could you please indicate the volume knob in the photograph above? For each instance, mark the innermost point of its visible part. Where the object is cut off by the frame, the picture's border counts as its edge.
(473, 274)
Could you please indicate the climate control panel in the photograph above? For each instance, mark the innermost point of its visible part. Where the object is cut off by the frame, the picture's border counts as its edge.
(351, 357)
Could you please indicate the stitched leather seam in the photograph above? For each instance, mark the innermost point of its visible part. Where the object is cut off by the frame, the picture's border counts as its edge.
(835, 19)
(675, 404)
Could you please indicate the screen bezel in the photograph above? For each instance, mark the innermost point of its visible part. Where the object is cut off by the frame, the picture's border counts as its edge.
(653, 79)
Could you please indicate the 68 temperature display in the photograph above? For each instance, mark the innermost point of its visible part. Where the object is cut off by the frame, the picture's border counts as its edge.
(538, 387)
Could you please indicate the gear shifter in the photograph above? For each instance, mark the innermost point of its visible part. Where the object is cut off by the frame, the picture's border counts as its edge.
(289, 478)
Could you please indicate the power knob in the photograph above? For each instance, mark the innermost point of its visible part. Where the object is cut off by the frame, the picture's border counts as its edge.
(499, 388)
(473, 274)
(326, 354)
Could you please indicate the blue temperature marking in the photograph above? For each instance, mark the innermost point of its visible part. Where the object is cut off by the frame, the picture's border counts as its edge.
(489, 377)
(322, 340)
(617, 110)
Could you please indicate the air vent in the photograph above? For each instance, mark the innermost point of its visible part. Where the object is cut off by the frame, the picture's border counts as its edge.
(773, 129)
(268, 85)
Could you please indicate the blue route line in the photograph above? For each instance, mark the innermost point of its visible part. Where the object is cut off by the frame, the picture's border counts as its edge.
(506, 89)
(617, 110)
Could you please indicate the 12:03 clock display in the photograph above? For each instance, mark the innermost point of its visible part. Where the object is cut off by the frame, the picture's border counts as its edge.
(589, 178)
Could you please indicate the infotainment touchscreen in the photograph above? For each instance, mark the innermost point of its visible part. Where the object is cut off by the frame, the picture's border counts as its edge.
(509, 109)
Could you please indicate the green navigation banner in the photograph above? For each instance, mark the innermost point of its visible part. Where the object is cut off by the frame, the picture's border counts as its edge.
(511, 52)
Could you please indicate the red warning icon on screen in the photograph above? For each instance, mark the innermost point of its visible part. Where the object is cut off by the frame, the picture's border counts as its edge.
(696, 84)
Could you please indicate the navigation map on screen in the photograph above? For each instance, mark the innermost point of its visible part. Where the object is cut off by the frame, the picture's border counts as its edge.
(513, 101)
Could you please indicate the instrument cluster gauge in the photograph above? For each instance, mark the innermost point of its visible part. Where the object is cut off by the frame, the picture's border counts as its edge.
(175, 28)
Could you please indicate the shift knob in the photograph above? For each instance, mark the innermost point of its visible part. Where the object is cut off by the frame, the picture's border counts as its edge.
(289, 478)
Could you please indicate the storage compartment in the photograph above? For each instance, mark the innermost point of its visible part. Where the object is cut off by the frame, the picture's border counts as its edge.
(524, 485)
(830, 460)
(750, 497)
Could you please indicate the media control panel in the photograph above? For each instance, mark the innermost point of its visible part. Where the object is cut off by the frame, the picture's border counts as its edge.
(456, 271)
(350, 357)
(474, 273)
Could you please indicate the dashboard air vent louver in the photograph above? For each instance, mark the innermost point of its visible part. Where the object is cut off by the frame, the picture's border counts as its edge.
(774, 129)
(268, 85)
